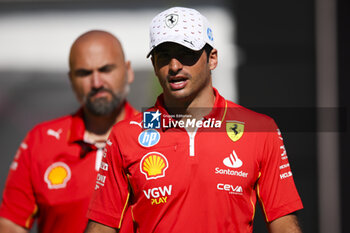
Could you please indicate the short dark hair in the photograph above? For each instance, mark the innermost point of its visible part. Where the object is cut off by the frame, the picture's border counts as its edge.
(207, 49)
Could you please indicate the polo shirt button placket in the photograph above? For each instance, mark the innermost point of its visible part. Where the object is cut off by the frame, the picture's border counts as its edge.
(192, 136)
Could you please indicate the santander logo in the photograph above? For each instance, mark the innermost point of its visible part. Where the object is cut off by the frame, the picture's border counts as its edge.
(233, 161)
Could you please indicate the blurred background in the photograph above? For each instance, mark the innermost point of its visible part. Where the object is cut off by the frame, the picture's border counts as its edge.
(285, 59)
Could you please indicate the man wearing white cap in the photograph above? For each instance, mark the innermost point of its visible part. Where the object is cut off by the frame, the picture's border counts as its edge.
(194, 162)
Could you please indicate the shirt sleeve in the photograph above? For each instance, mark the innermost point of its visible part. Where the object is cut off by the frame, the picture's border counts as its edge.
(18, 203)
(277, 193)
(110, 198)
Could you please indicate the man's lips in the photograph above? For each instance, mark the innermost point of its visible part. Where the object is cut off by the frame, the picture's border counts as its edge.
(178, 82)
(99, 94)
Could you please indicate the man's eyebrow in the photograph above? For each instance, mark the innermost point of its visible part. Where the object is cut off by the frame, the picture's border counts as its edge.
(82, 72)
(107, 67)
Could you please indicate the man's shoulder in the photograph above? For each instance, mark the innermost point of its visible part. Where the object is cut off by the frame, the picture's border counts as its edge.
(129, 124)
(129, 110)
(56, 122)
(135, 120)
(53, 127)
(132, 125)
(241, 113)
(48, 133)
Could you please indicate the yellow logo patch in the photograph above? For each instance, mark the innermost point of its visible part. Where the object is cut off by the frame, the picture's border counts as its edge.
(234, 130)
(153, 165)
(57, 175)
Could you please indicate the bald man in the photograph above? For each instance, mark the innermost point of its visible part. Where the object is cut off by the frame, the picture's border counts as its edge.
(54, 172)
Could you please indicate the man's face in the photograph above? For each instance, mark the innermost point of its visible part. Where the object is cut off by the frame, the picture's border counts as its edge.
(182, 72)
(99, 75)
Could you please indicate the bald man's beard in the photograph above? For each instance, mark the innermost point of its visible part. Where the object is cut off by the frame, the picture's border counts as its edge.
(102, 106)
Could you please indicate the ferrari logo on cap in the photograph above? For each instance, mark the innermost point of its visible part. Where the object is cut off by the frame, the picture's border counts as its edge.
(235, 130)
(153, 165)
(171, 20)
(57, 175)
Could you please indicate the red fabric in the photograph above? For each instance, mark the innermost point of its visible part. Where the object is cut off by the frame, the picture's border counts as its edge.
(215, 190)
(53, 177)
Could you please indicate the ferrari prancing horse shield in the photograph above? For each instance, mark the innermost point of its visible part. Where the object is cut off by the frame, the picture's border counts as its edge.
(234, 130)
(171, 20)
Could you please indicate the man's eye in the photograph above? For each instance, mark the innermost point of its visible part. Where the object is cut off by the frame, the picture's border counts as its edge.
(106, 69)
(162, 55)
(82, 73)
(187, 54)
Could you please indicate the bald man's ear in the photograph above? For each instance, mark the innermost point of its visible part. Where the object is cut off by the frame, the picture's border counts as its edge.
(70, 75)
(129, 72)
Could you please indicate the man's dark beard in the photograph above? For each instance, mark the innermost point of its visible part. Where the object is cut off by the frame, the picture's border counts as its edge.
(101, 106)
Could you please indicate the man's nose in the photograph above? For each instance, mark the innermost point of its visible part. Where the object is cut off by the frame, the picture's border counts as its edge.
(96, 81)
(175, 65)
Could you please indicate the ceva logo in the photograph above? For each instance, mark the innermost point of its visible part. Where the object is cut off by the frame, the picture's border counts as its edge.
(230, 188)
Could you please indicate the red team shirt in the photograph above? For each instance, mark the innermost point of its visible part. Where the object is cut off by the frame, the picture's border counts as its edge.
(207, 181)
(53, 176)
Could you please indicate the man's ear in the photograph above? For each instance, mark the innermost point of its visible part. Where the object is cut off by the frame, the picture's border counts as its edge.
(213, 59)
(69, 75)
(129, 72)
(152, 59)
(154, 65)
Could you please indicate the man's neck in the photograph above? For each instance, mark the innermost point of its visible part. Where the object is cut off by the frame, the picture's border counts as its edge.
(97, 128)
(196, 107)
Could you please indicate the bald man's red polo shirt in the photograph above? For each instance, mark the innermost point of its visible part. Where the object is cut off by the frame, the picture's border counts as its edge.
(52, 176)
(205, 181)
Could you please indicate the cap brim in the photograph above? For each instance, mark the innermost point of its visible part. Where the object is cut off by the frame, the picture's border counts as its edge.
(149, 54)
(175, 42)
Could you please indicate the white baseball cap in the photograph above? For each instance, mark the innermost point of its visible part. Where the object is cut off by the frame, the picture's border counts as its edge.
(184, 26)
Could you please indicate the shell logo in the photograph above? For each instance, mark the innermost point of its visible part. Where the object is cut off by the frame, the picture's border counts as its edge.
(153, 165)
(57, 175)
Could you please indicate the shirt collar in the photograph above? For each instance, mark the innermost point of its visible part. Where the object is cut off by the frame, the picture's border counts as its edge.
(129, 110)
(219, 109)
(77, 129)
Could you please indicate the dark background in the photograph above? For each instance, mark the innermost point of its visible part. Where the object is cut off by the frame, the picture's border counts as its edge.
(278, 72)
(344, 101)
